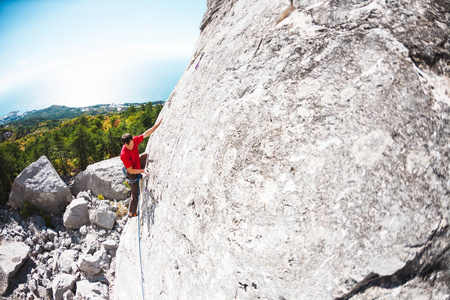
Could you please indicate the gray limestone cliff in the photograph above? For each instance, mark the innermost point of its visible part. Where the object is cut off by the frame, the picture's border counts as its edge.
(304, 160)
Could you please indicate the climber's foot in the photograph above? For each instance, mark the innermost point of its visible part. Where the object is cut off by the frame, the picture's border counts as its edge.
(131, 215)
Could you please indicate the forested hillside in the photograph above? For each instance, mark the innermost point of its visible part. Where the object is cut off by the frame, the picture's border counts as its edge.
(70, 144)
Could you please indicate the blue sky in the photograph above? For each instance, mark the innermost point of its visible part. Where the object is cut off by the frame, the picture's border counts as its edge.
(73, 49)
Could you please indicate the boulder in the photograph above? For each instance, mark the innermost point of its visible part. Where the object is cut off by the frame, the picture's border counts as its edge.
(105, 178)
(40, 185)
(77, 214)
(61, 284)
(90, 264)
(66, 262)
(91, 290)
(103, 217)
(12, 257)
(110, 244)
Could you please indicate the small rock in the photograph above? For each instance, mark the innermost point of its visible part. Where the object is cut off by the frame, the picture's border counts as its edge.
(88, 290)
(114, 207)
(61, 284)
(85, 195)
(104, 259)
(35, 239)
(32, 284)
(48, 285)
(76, 214)
(66, 261)
(83, 230)
(49, 246)
(29, 242)
(89, 264)
(43, 292)
(67, 242)
(38, 248)
(110, 244)
(103, 217)
(91, 243)
(76, 247)
(68, 295)
(51, 234)
(45, 257)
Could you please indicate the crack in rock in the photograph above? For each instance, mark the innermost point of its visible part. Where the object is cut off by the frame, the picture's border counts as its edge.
(431, 258)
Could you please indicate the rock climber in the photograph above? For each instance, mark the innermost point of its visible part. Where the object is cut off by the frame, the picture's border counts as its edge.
(133, 163)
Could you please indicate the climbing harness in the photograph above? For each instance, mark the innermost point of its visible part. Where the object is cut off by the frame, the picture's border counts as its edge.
(203, 53)
(124, 170)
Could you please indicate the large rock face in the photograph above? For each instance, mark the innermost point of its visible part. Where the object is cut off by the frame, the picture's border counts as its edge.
(306, 160)
(40, 185)
(105, 178)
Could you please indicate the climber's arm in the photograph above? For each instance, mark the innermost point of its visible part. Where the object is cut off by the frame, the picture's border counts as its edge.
(136, 171)
(148, 132)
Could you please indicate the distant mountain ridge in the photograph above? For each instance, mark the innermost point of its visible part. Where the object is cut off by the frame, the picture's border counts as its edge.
(58, 112)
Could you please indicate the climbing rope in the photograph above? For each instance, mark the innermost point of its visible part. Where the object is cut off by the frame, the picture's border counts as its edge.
(196, 67)
(130, 181)
(139, 237)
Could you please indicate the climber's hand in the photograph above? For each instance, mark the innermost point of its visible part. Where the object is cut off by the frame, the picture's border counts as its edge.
(145, 173)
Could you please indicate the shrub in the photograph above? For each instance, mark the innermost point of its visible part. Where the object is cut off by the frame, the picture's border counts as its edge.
(25, 211)
(48, 221)
(122, 210)
(100, 197)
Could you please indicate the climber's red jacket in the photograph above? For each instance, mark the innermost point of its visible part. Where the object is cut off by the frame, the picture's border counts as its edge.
(130, 158)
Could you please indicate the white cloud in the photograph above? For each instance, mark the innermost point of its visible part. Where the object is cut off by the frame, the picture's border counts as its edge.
(99, 59)
(22, 62)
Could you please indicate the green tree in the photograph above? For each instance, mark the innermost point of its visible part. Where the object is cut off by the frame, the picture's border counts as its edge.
(98, 142)
(12, 162)
(131, 110)
(44, 145)
(113, 142)
(96, 124)
(158, 109)
(80, 145)
(83, 120)
(113, 120)
(148, 117)
(61, 150)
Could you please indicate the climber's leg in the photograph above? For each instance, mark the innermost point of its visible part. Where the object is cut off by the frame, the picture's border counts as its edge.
(132, 207)
(143, 159)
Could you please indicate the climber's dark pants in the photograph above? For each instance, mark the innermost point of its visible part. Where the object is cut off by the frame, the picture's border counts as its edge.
(135, 186)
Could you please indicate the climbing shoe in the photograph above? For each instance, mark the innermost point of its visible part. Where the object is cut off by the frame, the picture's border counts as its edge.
(131, 215)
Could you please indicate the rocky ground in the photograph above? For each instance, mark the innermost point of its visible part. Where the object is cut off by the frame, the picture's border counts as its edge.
(63, 263)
